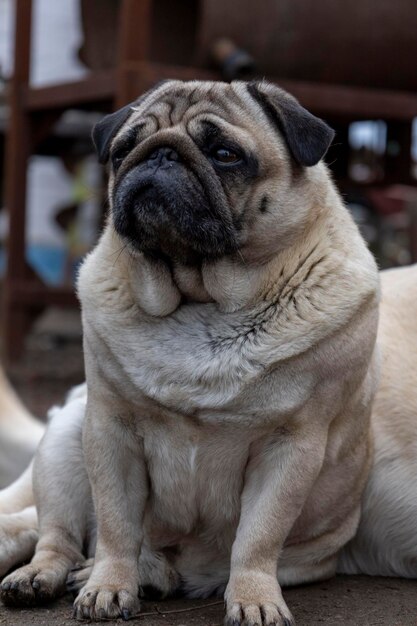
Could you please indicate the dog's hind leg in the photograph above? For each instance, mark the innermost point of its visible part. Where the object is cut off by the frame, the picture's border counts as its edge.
(158, 576)
(79, 576)
(63, 499)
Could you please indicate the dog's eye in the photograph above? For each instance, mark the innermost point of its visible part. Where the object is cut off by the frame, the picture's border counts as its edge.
(121, 151)
(225, 155)
(118, 156)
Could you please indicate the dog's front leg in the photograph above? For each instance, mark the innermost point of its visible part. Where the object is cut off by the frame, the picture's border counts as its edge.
(279, 476)
(116, 467)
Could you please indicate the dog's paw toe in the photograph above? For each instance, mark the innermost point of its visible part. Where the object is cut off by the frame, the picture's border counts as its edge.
(103, 603)
(267, 614)
(29, 586)
(19, 588)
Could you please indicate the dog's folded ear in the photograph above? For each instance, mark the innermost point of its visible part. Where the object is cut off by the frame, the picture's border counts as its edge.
(308, 137)
(106, 129)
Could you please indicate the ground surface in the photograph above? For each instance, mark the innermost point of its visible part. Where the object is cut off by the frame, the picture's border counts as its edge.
(346, 600)
(51, 364)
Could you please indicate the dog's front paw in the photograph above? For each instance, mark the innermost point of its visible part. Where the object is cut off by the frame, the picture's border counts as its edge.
(106, 602)
(32, 585)
(255, 599)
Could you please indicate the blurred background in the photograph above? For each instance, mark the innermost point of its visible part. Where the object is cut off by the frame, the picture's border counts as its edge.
(65, 64)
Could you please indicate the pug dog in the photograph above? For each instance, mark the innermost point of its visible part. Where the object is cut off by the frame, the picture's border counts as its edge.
(230, 313)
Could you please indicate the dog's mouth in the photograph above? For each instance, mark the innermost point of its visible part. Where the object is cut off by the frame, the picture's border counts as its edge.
(162, 208)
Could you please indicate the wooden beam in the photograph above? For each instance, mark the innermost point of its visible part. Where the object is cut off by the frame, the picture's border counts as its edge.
(33, 294)
(331, 100)
(133, 41)
(18, 148)
(92, 89)
(352, 102)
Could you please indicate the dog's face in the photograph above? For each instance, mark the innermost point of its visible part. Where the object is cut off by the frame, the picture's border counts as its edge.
(200, 170)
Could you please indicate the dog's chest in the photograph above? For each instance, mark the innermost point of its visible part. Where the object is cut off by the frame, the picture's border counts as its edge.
(196, 477)
(202, 364)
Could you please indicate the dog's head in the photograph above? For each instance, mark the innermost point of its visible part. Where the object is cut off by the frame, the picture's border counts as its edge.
(200, 170)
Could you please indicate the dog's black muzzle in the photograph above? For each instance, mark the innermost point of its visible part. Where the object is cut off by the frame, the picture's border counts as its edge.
(163, 207)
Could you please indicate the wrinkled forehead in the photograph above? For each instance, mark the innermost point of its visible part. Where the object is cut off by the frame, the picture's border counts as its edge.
(176, 102)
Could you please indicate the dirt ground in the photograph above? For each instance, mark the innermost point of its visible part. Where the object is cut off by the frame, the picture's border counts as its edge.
(345, 600)
(52, 363)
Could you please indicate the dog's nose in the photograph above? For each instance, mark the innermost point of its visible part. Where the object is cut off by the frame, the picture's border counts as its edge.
(163, 155)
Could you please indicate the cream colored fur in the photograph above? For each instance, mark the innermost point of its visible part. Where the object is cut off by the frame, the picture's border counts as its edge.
(386, 542)
(227, 441)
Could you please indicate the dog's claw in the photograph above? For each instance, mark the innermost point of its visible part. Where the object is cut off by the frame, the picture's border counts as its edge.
(126, 615)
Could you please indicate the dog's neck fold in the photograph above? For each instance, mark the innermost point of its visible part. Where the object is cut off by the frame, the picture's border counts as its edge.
(160, 289)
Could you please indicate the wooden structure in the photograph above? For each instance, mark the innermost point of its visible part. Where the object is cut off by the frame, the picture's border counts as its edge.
(163, 39)
(33, 112)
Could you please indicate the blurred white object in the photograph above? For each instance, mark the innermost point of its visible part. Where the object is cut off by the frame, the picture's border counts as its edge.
(56, 37)
(20, 434)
